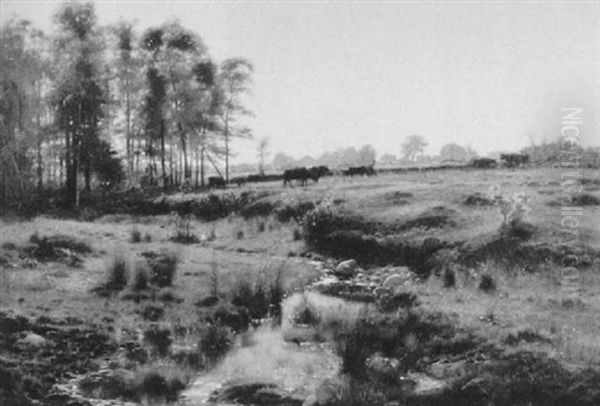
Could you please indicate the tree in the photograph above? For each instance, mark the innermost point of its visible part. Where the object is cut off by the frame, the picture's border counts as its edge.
(388, 160)
(262, 152)
(366, 156)
(127, 66)
(16, 77)
(454, 152)
(414, 144)
(233, 81)
(282, 161)
(79, 96)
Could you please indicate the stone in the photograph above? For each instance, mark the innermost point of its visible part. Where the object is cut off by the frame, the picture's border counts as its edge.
(399, 278)
(33, 340)
(346, 269)
(448, 370)
(431, 244)
(476, 387)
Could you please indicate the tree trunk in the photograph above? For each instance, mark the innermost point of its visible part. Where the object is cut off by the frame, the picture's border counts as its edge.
(162, 154)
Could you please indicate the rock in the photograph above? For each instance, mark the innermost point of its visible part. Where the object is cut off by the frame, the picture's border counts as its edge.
(431, 244)
(426, 385)
(448, 370)
(476, 388)
(346, 269)
(327, 392)
(32, 340)
(380, 291)
(399, 278)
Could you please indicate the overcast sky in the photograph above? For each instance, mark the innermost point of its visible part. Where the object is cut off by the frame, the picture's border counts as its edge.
(492, 75)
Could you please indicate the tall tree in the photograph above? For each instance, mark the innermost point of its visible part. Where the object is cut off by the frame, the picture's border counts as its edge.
(79, 95)
(128, 66)
(234, 80)
(414, 144)
(16, 75)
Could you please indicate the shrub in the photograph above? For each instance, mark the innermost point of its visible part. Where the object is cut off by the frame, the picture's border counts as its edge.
(215, 341)
(152, 313)
(140, 280)
(136, 236)
(117, 274)
(159, 339)
(162, 269)
(235, 317)
(147, 238)
(297, 234)
(487, 283)
(155, 387)
(449, 278)
(183, 229)
(390, 302)
(306, 313)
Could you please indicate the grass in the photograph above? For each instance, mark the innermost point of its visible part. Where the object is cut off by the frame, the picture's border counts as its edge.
(524, 303)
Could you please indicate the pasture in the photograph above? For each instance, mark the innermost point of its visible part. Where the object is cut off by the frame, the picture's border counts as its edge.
(445, 226)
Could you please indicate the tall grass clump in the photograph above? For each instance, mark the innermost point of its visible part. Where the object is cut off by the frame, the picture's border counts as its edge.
(162, 269)
(159, 339)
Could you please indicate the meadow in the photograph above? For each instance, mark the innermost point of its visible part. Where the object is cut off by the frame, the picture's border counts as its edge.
(249, 303)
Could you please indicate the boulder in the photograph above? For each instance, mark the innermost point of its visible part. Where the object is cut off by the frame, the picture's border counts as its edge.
(400, 277)
(431, 244)
(346, 269)
(32, 340)
(448, 370)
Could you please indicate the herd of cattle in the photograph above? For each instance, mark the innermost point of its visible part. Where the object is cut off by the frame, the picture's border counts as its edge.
(302, 175)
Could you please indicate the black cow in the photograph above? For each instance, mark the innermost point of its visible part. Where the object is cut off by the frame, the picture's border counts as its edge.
(484, 163)
(238, 180)
(359, 170)
(216, 182)
(302, 175)
(514, 160)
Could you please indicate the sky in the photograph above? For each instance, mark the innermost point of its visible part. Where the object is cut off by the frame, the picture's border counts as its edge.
(332, 74)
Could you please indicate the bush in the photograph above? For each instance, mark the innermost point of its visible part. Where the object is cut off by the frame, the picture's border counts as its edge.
(159, 339)
(162, 269)
(391, 302)
(118, 274)
(235, 317)
(152, 313)
(306, 313)
(215, 341)
(136, 236)
(183, 229)
(449, 278)
(140, 280)
(155, 387)
(487, 283)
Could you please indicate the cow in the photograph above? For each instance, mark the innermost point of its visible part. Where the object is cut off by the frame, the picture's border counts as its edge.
(216, 182)
(238, 180)
(514, 160)
(359, 170)
(302, 175)
(484, 163)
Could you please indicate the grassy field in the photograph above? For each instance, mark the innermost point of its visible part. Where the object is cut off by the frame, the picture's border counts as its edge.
(528, 309)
